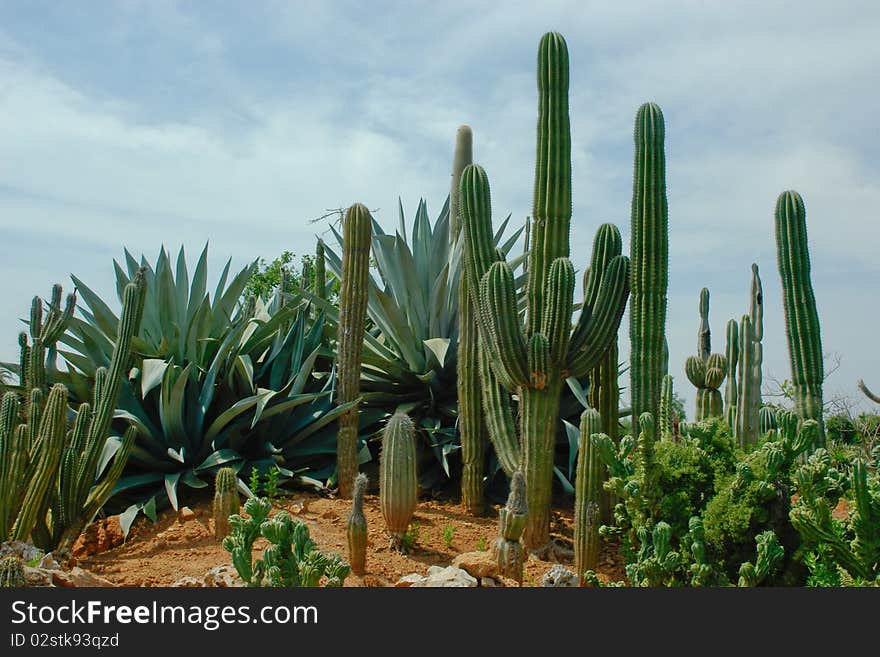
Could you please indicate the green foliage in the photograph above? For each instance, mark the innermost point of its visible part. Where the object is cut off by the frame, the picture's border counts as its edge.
(409, 538)
(290, 560)
(769, 558)
(272, 483)
(267, 277)
(448, 535)
(482, 544)
(254, 482)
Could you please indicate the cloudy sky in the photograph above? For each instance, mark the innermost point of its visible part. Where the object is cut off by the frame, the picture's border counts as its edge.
(137, 124)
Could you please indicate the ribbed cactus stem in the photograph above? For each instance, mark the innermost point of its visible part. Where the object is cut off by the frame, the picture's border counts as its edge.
(587, 496)
(356, 527)
(704, 335)
(507, 549)
(398, 483)
(667, 431)
(731, 389)
(471, 426)
(706, 370)
(226, 501)
(352, 316)
(799, 304)
(649, 261)
(319, 282)
(11, 572)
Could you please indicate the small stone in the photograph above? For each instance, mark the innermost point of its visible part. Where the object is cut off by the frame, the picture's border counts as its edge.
(223, 575)
(84, 578)
(449, 577)
(37, 577)
(48, 562)
(188, 582)
(477, 564)
(409, 580)
(559, 577)
(488, 582)
(186, 513)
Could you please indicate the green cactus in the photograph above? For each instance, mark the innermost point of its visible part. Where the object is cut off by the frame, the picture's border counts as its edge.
(532, 362)
(769, 557)
(319, 281)
(751, 333)
(766, 420)
(799, 304)
(356, 528)
(730, 390)
(398, 483)
(11, 572)
(667, 430)
(226, 501)
(507, 549)
(352, 316)
(587, 496)
(650, 261)
(706, 370)
(471, 426)
(656, 562)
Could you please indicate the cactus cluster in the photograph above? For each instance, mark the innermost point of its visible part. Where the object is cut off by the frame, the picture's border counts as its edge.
(533, 361)
(356, 527)
(507, 548)
(706, 370)
(226, 501)
(11, 572)
(357, 228)
(750, 358)
(398, 483)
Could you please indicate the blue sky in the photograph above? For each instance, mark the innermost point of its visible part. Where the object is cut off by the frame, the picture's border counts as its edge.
(141, 123)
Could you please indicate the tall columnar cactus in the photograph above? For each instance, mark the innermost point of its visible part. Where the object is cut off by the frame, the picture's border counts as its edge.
(319, 282)
(356, 528)
(226, 501)
(667, 430)
(11, 572)
(350, 341)
(507, 549)
(650, 261)
(534, 361)
(751, 333)
(799, 304)
(587, 499)
(730, 390)
(398, 483)
(706, 370)
(471, 426)
(766, 420)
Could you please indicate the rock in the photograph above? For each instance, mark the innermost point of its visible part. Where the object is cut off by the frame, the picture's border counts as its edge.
(477, 564)
(48, 563)
(84, 578)
(223, 575)
(449, 577)
(188, 582)
(186, 513)
(409, 580)
(37, 577)
(26, 551)
(488, 582)
(559, 577)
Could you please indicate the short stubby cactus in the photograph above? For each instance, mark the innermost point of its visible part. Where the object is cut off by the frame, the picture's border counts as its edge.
(398, 483)
(588, 496)
(356, 528)
(357, 228)
(799, 304)
(507, 548)
(226, 501)
(11, 572)
(706, 370)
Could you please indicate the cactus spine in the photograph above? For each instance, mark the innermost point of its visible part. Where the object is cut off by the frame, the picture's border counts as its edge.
(706, 370)
(356, 528)
(352, 316)
(507, 548)
(588, 496)
(226, 502)
(398, 485)
(799, 304)
(11, 572)
(471, 427)
(650, 261)
(533, 361)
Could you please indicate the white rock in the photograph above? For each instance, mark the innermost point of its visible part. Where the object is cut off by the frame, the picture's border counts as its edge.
(559, 577)
(223, 575)
(409, 580)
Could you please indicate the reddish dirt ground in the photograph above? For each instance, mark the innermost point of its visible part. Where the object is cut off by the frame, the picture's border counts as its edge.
(160, 553)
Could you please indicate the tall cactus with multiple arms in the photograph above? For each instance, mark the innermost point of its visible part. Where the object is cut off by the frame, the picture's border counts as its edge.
(226, 501)
(706, 370)
(398, 483)
(730, 390)
(352, 316)
(588, 494)
(356, 527)
(650, 261)
(534, 361)
(38, 358)
(799, 304)
(751, 356)
(471, 427)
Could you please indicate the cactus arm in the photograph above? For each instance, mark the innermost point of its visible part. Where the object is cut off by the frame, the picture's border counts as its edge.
(865, 391)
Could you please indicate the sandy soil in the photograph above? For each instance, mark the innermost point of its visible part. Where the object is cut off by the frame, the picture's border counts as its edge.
(158, 554)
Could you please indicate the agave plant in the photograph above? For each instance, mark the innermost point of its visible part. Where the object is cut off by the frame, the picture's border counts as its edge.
(215, 382)
(410, 346)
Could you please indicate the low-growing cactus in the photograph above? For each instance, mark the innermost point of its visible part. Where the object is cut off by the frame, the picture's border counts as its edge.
(226, 502)
(769, 557)
(508, 549)
(398, 484)
(356, 528)
(11, 572)
(587, 500)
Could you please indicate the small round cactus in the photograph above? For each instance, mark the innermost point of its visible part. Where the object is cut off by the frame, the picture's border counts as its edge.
(226, 502)
(11, 572)
(356, 528)
(398, 485)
